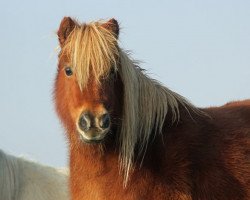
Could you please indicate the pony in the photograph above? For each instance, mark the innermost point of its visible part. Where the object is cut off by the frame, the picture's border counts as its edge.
(21, 179)
(132, 138)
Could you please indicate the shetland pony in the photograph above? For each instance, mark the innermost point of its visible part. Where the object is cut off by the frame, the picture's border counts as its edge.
(21, 179)
(132, 138)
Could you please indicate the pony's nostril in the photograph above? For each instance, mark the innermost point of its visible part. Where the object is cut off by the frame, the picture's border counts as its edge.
(84, 122)
(104, 121)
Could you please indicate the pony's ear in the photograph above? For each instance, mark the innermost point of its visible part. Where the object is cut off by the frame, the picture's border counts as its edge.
(113, 26)
(66, 27)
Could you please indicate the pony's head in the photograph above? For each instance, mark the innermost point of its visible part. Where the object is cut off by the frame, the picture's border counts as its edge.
(86, 96)
(101, 93)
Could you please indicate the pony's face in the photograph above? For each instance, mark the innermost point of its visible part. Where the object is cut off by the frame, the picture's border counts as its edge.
(88, 97)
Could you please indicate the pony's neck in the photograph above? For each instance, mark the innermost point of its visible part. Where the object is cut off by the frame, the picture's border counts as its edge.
(90, 160)
(90, 169)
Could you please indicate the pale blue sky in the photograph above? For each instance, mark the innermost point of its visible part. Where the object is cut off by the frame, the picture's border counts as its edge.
(200, 49)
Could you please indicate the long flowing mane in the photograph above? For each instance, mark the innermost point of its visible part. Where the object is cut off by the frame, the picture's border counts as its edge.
(147, 100)
(93, 48)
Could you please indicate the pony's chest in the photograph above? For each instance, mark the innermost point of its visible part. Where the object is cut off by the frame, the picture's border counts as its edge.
(111, 188)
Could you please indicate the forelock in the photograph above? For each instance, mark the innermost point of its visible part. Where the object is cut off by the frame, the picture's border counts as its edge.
(92, 50)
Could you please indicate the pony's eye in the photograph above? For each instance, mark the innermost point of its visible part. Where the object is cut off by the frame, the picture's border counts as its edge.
(68, 71)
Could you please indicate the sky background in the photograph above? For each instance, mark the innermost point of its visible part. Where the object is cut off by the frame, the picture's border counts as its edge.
(200, 49)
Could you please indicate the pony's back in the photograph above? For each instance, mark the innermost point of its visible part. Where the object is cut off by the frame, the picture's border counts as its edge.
(22, 179)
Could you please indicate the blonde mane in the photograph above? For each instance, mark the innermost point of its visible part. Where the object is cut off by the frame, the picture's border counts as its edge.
(146, 102)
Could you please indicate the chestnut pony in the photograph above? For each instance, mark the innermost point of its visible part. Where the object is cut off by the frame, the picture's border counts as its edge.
(132, 138)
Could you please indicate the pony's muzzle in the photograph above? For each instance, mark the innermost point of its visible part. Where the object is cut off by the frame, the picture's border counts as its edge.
(93, 128)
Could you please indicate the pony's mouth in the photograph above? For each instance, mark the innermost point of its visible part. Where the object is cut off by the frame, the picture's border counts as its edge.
(92, 136)
(91, 140)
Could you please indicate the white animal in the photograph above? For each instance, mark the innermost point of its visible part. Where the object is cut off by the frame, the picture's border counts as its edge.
(21, 179)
